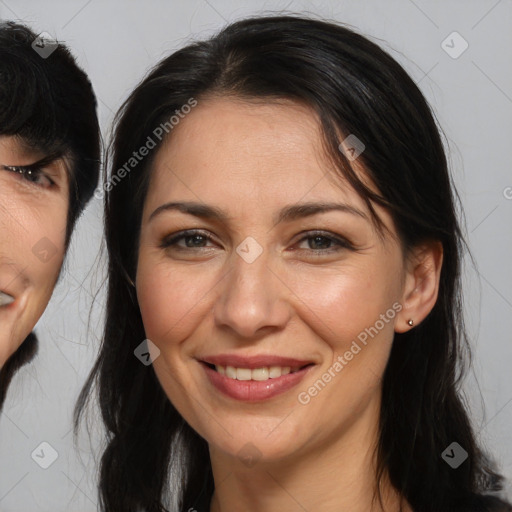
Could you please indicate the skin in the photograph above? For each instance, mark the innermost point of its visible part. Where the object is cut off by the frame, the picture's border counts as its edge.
(252, 159)
(30, 213)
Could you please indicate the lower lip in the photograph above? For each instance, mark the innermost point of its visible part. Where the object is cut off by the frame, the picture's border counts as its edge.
(254, 390)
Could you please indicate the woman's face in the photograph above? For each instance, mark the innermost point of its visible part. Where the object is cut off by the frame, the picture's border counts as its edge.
(33, 213)
(263, 283)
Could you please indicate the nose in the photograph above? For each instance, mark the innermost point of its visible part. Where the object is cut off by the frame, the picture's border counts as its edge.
(253, 299)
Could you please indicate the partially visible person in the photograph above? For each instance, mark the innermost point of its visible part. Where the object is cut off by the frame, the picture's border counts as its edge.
(49, 167)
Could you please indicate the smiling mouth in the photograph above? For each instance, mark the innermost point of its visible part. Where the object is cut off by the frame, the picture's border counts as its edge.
(252, 381)
(256, 374)
(5, 299)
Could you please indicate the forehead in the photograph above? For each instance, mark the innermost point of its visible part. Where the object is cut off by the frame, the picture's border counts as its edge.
(12, 145)
(265, 150)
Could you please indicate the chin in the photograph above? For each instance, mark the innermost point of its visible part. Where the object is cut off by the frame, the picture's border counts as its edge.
(262, 444)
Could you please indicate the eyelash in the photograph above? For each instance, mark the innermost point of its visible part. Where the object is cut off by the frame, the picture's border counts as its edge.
(342, 244)
(27, 172)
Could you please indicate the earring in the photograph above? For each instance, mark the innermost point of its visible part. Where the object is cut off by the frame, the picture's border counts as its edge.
(410, 322)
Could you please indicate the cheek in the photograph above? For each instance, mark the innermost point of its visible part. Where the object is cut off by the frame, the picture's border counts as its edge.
(33, 240)
(341, 304)
(33, 235)
(169, 300)
(44, 238)
(43, 245)
(344, 309)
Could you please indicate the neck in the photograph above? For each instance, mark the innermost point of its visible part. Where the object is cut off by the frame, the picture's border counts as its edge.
(335, 476)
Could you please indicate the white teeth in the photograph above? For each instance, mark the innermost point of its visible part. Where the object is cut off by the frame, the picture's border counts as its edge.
(243, 374)
(260, 374)
(264, 373)
(5, 299)
(274, 371)
(231, 372)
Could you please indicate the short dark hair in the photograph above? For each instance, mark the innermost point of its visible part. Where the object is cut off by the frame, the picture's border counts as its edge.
(355, 88)
(50, 106)
(49, 103)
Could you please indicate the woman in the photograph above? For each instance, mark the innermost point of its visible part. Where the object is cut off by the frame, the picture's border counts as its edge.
(49, 167)
(284, 250)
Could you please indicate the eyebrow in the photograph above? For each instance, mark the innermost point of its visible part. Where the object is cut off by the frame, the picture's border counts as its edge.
(287, 214)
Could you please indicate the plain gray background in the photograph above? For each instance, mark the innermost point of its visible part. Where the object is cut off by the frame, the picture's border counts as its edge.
(116, 42)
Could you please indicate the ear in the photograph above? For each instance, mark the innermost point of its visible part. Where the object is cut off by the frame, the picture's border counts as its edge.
(421, 284)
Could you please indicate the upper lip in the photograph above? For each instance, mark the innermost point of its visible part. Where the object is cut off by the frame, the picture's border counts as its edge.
(256, 361)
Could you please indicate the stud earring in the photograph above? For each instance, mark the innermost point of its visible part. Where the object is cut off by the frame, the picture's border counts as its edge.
(410, 322)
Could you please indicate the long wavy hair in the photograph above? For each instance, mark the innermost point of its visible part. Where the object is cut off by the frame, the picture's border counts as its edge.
(153, 460)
